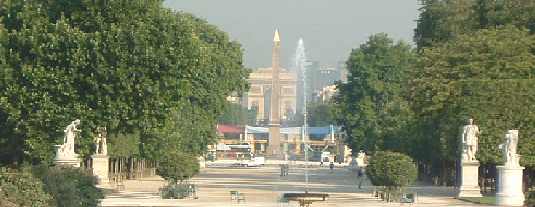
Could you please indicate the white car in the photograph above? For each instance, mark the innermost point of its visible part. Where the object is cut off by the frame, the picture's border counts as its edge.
(256, 162)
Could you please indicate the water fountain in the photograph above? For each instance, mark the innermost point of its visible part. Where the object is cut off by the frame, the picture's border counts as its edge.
(306, 198)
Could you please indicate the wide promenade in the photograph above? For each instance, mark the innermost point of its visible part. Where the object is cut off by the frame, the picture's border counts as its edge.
(263, 186)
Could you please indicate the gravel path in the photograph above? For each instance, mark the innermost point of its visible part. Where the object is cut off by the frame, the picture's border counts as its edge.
(263, 187)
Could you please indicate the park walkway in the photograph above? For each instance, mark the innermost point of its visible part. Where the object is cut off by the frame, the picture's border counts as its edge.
(263, 187)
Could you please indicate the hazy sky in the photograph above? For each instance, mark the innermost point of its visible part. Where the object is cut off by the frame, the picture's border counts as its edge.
(330, 28)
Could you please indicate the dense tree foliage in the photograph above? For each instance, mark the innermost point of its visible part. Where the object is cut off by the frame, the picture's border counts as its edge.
(475, 60)
(487, 75)
(447, 36)
(132, 66)
(443, 20)
(321, 114)
(372, 105)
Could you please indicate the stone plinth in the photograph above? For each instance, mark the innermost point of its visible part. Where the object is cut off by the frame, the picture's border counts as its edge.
(469, 186)
(509, 186)
(101, 168)
(66, 159)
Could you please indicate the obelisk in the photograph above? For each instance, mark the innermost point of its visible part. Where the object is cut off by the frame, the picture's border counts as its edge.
(274, 116)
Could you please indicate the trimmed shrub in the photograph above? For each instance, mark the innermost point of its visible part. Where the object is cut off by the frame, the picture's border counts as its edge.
(70, 187)
(392, 170)
(178, 166)
(21, 189)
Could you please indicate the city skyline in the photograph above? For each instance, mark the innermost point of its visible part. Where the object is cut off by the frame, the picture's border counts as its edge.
(330, 30)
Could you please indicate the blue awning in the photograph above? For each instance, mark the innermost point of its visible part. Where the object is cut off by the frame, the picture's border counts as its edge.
(294, 130)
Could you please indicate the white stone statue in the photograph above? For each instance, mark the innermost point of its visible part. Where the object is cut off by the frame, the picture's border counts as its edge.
(68, 140)
(100, 141)
(361, 159)
(470, 141)
(512, 159)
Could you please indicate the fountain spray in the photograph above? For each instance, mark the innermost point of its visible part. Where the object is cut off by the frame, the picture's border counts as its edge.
(300, 65)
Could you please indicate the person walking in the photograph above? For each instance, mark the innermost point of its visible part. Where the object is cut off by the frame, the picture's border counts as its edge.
(331, 166)
(360, 176)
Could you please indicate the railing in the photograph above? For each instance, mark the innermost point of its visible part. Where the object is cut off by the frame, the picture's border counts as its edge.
(121, 169)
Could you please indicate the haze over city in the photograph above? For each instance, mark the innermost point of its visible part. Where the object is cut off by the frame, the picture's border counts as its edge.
(309, 103)
(330, 29)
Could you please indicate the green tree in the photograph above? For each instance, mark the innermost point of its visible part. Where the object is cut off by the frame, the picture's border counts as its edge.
(459, 24)
(486, 75)
(371, 107)
(320, 114)
(121, 64)
(443, 20)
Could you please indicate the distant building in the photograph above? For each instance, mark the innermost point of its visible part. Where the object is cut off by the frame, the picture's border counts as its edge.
(237, 142)
(326, 94)
(259, 93)
(321, 77)
(342, 67)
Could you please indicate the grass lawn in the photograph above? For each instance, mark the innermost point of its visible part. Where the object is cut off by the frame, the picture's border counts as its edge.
(487, 200)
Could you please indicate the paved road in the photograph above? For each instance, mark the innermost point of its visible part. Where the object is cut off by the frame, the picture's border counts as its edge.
(263, 187)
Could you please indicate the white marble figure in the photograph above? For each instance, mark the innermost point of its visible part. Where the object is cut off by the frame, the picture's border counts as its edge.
(470, 141)
(361, 159)
(509, 149)
(100, 141)
(68, 140)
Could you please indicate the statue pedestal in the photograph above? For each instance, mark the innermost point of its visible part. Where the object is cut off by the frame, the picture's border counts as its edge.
(469, 180)
(101, 168)
(64, 159)
(510, 186)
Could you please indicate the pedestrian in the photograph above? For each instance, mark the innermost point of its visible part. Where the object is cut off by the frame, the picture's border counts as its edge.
(360, 175)
(321, 163)
(331, 166)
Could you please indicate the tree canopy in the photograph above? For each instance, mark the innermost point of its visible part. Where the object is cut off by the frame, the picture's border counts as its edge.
(132, 66)
(475, 59)
(320, 114)
(486, 75)
(371, 106)
(443, 20)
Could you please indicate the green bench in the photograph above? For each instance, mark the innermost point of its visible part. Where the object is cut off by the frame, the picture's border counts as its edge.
(409, 198)
(237, 196)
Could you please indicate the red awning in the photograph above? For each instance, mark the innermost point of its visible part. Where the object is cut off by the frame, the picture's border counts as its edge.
(229, 129)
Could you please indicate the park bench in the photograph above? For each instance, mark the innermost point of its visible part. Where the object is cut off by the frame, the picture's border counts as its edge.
(233, 195)
(241, 197)
(237, 196)
(409, 198)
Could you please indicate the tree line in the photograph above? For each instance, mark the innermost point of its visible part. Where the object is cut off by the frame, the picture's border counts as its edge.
(156, 78)
(473, 59)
